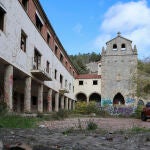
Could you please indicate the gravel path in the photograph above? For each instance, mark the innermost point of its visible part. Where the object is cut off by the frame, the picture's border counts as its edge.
(111, 124)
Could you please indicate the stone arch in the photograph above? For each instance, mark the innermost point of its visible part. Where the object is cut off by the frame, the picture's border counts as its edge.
(95, 97)
(118, 99)
(140, 102)
(81, 97)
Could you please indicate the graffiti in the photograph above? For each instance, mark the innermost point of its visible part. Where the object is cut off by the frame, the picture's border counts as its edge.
(124, 111)
(106, 102)
(130, 101)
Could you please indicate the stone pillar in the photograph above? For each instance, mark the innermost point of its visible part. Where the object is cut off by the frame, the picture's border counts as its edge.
(66, 104)
(27, 95)
(70, 101)
(56, 102)
(8, 86)
(40, 98)
(49, 100)
(73, 105)
(62, 102)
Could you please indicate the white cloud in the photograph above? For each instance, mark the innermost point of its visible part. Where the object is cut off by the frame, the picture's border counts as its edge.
(133, 20)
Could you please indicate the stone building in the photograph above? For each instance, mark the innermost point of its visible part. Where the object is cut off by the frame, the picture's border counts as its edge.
(36, 74)
(119, 69)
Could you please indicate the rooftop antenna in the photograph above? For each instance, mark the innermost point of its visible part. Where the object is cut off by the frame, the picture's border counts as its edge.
(119, 33)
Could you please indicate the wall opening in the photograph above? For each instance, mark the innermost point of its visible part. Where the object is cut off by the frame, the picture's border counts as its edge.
(95, 97)
(81, 97)
(118, 99)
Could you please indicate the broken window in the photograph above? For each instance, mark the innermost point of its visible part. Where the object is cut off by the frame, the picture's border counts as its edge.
(95, 82)
(25, 4)
(2, 15)
(114, 46)
(23, 41)
(37, 59)
(47, 67)
(123, 46)
(80, 82)
(39, 24)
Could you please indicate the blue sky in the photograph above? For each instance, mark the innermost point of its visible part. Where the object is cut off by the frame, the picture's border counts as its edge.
(86, 25)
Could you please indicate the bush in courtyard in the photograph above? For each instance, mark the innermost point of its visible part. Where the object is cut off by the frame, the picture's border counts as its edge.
(91, 125)
(61, 114)
(138, 111)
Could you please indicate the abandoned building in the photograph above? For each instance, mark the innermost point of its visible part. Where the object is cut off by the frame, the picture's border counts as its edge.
(36, 74)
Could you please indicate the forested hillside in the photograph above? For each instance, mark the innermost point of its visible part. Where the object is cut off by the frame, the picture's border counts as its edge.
(81, 60)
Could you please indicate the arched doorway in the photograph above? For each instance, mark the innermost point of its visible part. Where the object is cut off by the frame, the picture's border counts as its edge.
(95, 97)
(81, 97)
(118, 99)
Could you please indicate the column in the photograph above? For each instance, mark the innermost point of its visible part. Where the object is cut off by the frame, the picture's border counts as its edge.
(70, 104)
(66, 104)
(40, 98)
(8, 86)
(73, 105)
(62, 102)
(49, 100)
(27, 95)
(56, 102)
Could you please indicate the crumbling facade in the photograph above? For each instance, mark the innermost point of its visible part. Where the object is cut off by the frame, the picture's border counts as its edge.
(36, 74)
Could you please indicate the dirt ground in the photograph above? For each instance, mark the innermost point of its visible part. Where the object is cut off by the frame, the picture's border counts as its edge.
(69, 134)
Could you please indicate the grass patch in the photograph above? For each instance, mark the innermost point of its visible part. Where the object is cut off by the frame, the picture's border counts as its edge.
(18, 122)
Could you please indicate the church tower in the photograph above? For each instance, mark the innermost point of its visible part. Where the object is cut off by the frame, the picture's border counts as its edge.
(119, 70)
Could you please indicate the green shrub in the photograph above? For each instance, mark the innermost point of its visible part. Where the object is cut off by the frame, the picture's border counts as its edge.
(138, 111)
(60, 115)
(91, 125)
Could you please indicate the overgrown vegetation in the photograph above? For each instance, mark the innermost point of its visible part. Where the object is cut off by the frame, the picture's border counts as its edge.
(3, 108)
(92, 125)
(81, 60)
(60, 115)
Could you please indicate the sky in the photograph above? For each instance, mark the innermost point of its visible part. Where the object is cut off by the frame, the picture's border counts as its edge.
(84, 26)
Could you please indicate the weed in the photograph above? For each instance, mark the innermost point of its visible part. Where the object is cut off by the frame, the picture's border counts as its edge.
(92, 125)
(60, 115)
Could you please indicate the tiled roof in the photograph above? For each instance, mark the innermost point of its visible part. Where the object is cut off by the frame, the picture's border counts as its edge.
(88, 76)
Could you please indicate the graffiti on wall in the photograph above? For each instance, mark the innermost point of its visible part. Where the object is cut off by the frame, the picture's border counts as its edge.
(130, 101)
(106, 102)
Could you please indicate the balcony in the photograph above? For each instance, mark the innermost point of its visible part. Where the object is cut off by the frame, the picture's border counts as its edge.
(40, 72)
(63, 91)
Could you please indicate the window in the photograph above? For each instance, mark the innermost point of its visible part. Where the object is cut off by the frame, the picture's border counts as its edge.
(65, 83)
(73, 88)
(47, 67)
(80, 82)
(39, 24)
(34, 100)
(123, 46)
(48, 38)
(61, 80)
(61, 57)
(69, 86)
(23, 41)
(114, 46)
(95, 82)
(56, 50)
(55, 75)
(25, 4)
(2, 15)
(37, 59)
(66, 64)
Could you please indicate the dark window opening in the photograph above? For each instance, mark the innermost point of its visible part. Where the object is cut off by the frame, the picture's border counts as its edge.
(25, 4)
(34, 100)
(80, 82)
(123, 46)
(61, 80)
(66, 64)
(23, 41)
(114, 46)
(48, 38)
(47, 67)
(39, 24)
(56, 49)
(2, 15)
(61, 57)
(95, 82)
(55, 76)
(37, 59)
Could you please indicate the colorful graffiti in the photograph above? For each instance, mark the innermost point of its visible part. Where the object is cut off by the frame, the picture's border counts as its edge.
(106, 102)
(120, 110)
(130, 101)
